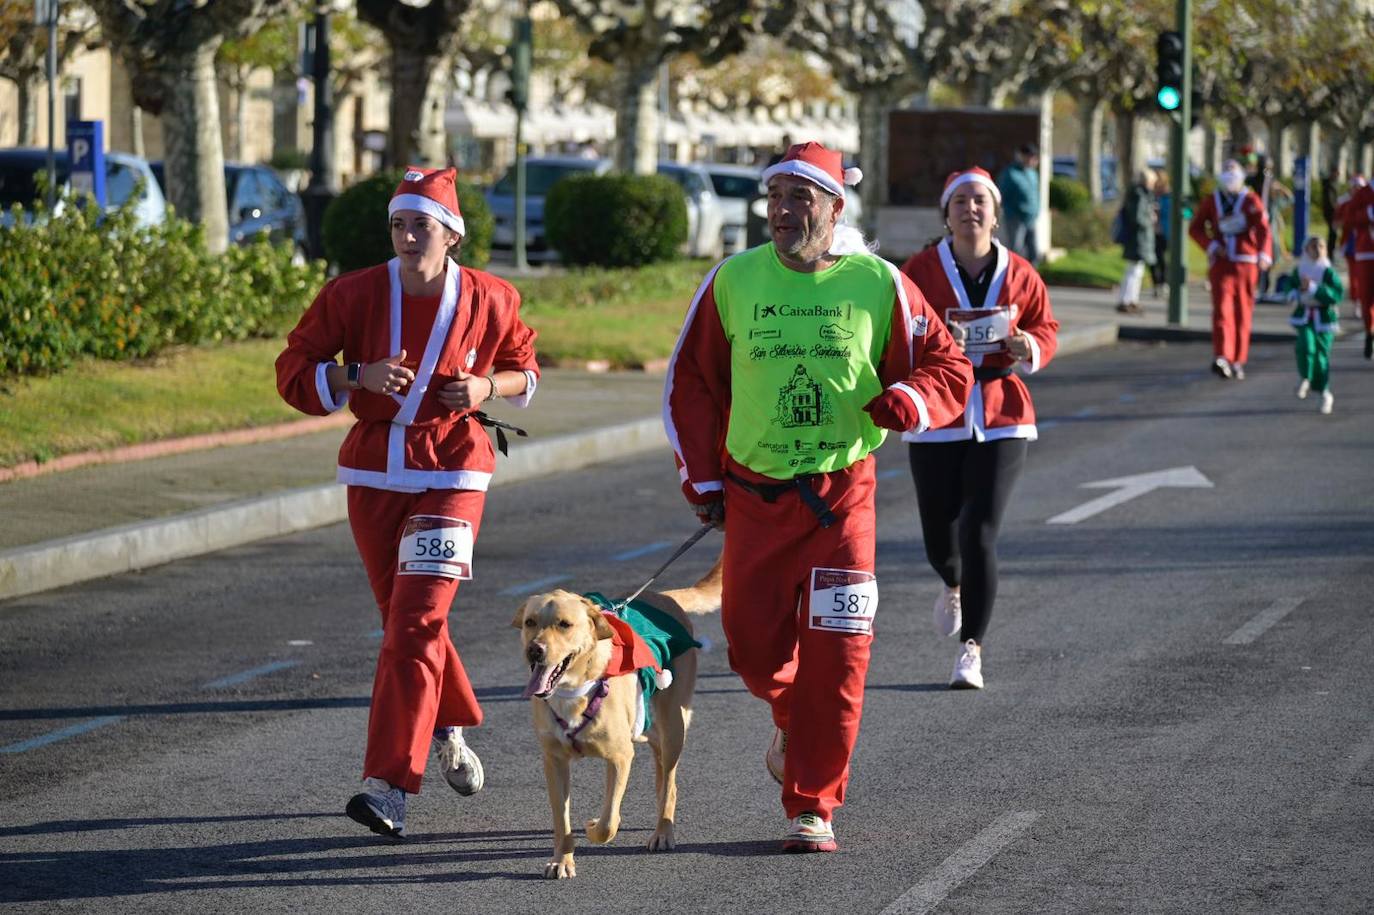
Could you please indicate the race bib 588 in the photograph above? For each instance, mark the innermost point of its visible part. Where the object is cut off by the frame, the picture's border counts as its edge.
(436, 545)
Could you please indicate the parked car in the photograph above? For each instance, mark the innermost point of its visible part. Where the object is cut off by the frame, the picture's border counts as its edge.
(541, 174)
(1067, 167)
(736, 186)
(705, 217)
(19, 167)
(258, 202)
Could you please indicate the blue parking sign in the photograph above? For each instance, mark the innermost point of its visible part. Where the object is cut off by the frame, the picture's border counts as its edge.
(86, 146)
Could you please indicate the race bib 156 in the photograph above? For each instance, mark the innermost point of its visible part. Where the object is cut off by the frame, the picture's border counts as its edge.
(843, 600)
(985, 329)
(436, 545)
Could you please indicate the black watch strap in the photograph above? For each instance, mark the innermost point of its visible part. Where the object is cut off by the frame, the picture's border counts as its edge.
(355, 374)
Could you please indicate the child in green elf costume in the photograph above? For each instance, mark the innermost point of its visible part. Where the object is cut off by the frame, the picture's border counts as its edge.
(1315, 290)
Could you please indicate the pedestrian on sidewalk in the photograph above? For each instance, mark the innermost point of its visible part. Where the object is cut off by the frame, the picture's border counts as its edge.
(964, 470)
(794, 358)
(1357, 215)
(1315, 291)
(1232, 227)
(1138, 240)
(1159, 279)
(417, 464)
(1019, 186)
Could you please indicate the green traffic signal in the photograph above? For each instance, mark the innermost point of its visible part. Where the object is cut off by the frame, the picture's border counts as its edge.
(1168, 98)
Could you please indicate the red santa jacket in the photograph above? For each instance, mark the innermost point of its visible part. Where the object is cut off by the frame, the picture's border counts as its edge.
(919, 354)
(1356, 216)
(997, 407)
(1249, 244)
(409, 442)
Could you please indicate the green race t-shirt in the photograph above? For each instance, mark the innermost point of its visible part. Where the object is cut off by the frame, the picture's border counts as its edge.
(805, 349)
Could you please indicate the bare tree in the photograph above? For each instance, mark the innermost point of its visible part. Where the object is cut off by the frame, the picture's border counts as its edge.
(24, 54)
(636, 36)
(169, 48)
(423, 40)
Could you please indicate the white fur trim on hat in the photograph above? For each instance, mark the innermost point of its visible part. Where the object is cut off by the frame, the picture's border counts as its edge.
(429, 207)
(970, 178)
(803, 169)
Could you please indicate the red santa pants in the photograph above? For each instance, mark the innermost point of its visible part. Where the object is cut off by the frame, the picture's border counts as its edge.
(812, 679)
(420, 683)
(1233, 303)
(1353, 271)
(1362, 279)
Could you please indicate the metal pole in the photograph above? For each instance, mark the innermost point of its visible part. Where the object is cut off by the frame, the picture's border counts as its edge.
(1178, 175)
(52, 104)
(320, 190)
(521, 257)
(521, 59)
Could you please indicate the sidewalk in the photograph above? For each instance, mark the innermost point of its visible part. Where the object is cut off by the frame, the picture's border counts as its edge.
(105, 519)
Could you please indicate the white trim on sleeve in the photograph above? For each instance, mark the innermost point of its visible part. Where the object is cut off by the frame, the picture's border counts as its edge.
(1031, 365)
(322, 389)
(922, 411)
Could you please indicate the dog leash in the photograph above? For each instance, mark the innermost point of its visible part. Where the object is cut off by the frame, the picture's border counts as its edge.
(687, 545)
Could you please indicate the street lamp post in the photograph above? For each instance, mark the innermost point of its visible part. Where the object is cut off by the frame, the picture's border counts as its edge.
(320, 190)
(1178, 173)
(45, 13)
(521, 53)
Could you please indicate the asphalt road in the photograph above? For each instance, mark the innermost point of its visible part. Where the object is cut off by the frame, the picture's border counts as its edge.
(1177, 718)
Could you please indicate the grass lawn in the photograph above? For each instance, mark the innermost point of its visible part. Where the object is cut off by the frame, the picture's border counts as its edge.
(628, 317)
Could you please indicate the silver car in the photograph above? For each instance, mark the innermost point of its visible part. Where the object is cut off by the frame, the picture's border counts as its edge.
(736, 186)
(705, 216)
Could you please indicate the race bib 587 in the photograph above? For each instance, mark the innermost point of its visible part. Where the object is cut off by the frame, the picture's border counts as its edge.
(843, 600)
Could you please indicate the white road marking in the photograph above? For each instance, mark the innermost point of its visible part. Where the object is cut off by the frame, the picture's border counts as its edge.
(529, 587)
(641, 551)
(1128, 488)
(245, 676)
(61, 734)
(963, 864)
(1261, 622)
(299, 643)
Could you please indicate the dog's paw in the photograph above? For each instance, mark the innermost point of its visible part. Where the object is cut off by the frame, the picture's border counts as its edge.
(601, 834)
(560, 868)
(662, 839)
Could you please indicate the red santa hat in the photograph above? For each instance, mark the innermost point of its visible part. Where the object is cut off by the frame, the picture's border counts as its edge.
(432, 191)
(815, 163)
(973, 175)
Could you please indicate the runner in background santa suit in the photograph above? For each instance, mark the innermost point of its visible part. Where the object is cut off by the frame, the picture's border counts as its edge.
(1231, 226)
(794, 358)
(1347, 241)
(424, 343)
(1357, 218)
(964, 471)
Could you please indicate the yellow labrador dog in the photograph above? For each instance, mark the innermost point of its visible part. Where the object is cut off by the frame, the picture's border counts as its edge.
(579, 711)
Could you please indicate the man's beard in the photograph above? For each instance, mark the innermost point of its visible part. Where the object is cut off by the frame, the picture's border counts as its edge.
(809, 242)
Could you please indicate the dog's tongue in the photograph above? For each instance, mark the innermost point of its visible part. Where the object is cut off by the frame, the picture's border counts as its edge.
(540, 677)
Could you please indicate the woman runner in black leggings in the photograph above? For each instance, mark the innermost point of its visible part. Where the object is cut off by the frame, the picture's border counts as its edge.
(996, 305)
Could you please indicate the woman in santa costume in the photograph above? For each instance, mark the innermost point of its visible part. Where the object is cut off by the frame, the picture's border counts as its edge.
(1232, 227)
(794, 358)
(424, 343)
(997, 307)
(1357, 216)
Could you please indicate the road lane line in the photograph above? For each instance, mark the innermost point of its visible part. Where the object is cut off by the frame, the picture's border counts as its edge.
(1261, 622)
(62, 734)
(641, 551)
(889, 474)
(245, 676)
(529, 587)
(963, 864)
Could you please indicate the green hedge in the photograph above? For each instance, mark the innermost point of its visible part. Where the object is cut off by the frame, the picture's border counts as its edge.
(82, 283)
(1090, 227)
(357, 233)
(616, 220)
(1068, 195)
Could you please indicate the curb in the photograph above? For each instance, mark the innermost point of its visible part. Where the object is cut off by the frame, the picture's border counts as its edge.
(144, 544)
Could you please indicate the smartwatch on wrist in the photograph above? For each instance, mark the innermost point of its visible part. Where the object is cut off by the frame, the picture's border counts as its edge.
(355, 375)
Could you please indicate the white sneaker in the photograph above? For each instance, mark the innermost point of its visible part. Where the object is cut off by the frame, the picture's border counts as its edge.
(968, 670)
(1221, 367)
(1328, 399)
(1304, 387)
(776, 757)
(949, 612)
(1237, 371)
(380, 807)
(808, 832)
(461, 767)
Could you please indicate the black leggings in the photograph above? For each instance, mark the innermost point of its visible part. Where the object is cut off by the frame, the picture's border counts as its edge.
(962, 490)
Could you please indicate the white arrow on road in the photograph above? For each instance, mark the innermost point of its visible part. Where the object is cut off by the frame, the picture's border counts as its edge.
(1128, 488)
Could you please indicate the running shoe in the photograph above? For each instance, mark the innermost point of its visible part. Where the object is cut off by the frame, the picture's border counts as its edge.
(1221, 367)
(809, 832)
(949, 612)
(1328, 400)
(461, 767)
(1304, 388)
(776, 757)
(1237, 371)
(968, 670)
(380, 807)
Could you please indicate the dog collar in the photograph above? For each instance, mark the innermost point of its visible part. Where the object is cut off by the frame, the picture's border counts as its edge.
(600, 689)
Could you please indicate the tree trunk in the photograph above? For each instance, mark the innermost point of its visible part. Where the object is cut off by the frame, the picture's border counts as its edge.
(1278, 147)
(1240, 134)
(1090, 114)
(636, 118)
(237, 85)
(136, 130)
(419, 91)
(1127, 133)
(1211, 149)
(874, 103)
(28, 127)
(194, 153)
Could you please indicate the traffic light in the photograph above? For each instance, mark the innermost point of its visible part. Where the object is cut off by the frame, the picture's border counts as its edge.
(1169, 71)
